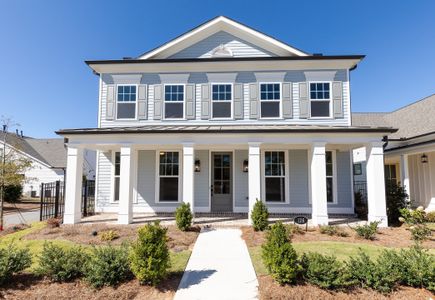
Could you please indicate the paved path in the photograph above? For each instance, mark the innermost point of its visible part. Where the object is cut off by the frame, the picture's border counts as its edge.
(15, 218)
(219, 268)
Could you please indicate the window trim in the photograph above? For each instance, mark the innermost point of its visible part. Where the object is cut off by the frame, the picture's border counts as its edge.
(184, 102)
(280, 100)
(135, 102)
(180, 176)
(112, 190)
(324, 100)
(286, 177)
(220, 101)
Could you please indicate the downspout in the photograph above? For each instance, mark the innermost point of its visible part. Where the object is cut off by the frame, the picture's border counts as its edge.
(385, 140)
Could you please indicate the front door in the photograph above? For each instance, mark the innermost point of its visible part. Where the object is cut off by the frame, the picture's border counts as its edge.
(221, 182)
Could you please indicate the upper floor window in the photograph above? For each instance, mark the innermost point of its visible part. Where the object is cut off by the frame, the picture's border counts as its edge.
(174, 101)
(221, 98)
(126, 106)
(320, 97)
(270, 98)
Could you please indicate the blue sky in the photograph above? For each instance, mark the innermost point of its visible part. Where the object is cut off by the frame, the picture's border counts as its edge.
(45, 84)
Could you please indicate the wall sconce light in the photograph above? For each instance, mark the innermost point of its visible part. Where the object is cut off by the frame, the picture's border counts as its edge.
(197, 165)
(424, 159)
(245, 166)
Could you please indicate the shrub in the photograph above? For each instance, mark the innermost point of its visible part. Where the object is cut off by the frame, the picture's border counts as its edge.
(416, 220)
(367, 231)
(293, 229)
(325, 271)
(107, 266)
(332, 230)
(183, 217)
(13, 260)
(360, 205)
(149, 257)
(381, 275)
(54, 222)
(260, 216)
(397, 199)
(420, 232)
(60, 264)
(109, 235)
(430, 217)
(279, 256)
(12, 193)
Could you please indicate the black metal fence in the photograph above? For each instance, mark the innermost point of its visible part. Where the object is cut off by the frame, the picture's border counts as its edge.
(53, 199)
(361, 187)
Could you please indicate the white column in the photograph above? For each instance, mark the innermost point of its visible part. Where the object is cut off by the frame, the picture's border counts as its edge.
(319, 202)
(188, 175)
(73, 189)
(254, 176)
(404, 172)
(376, 200)
(126, 175)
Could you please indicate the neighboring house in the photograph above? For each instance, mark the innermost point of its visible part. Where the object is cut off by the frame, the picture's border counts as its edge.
(48, 158)
(410, 152)
(219, 117)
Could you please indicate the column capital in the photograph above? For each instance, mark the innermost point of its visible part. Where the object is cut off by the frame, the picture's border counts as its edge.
(318, 144)
(74, 151)
(254, 144)
(188, 144)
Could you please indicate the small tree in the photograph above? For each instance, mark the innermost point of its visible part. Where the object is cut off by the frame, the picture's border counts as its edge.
(260, 216)
(183, 217)
(397, 199)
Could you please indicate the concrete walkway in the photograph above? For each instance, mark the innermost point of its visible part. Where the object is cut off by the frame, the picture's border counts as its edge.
(26, 217)
(219, 268)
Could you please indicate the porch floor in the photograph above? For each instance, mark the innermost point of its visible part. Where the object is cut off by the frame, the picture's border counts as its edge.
(215, 219)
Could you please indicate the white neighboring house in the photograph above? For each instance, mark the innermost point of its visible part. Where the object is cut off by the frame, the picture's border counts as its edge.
(48, 158)
(219, 117)
(410, 152)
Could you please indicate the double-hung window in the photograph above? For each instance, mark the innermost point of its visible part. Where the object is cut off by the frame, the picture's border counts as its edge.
(126, 105)
(168, 176)
(390, 175)
(320, 99)
(270, 99)
(174, 101)
(221, 99)
(274, 176)
(117, 176)
(329, 176)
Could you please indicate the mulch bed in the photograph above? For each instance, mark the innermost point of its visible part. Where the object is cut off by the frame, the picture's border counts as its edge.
(269, 289)
(13, 228)
(27, 286)
(387, 237)
(82, 234)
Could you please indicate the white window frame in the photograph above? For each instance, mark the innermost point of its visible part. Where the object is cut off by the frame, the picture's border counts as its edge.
(321, 100)
(222, 101)
(334, 176)
(280, 100)
(164, 101)
(180, 177)
(286, 176)
(135, 102)
(112, 194)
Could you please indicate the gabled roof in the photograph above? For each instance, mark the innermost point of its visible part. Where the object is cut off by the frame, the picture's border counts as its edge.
(222, 23)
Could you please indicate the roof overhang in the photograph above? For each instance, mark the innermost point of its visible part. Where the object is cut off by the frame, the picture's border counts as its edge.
(225, 64)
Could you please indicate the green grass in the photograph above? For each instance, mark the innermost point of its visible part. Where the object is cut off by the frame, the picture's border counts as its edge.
(179, 261)
(339, 249)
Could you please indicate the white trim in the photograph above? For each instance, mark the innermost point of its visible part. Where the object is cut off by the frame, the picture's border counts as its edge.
(100, 92)
(183, 102)
(352, 179)
(331, 116)
(222, 101)
(116, 102)
(334, 177)
(269, 101)
(308, 210)
(180, 176)
(232, 151)
(286, 177)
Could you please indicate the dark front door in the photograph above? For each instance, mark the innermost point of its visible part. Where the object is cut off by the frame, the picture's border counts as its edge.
(221, 180)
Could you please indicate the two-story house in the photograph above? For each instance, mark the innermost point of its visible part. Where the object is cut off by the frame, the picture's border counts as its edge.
(219, 117)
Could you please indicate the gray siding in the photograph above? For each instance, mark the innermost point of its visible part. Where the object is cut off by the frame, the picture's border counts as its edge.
(241, 189)
(344, 180)
(202, 180)
(104, 178)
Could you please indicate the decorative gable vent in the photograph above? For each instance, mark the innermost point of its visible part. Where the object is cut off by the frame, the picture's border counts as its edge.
(221, 51)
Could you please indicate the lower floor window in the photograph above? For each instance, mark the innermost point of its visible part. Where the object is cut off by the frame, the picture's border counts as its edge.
(390, 175)
(168, 176)
(274, 173)
(329, 177)
(117, 175)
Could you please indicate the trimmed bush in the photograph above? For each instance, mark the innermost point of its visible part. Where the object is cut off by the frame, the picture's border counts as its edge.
(325, 271)
(294, 229)
(260, 216)
(367, 231)
(61, 264)
(107, 266)
(430, 217)
(183, 217)
(13, 260)
(12, 193)
(332, 230)
(279, 256)
(416, 220)
(54, 222)
(109, 235)
(149, 257)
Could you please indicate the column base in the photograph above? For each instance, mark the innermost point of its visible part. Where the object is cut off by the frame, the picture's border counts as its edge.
(71, 219)
(320, 220)
(382, 219)
(125, 219)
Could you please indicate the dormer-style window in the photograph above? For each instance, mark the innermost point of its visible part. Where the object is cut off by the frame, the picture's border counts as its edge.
(320, 98)
(126, 102)
(270, 98)
(174, 101)
(221, 98)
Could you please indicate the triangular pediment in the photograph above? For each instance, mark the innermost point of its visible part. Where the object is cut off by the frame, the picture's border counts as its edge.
(222, 37)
